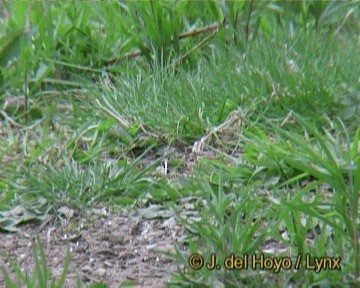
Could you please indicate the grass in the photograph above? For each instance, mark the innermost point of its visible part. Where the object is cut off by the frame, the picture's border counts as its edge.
(82, 131)
(42, 276)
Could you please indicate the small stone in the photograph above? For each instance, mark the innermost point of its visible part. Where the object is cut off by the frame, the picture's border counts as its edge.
(100, 272)
(86, 268)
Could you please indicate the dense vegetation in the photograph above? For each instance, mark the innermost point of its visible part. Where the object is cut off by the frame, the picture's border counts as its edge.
(88, 90)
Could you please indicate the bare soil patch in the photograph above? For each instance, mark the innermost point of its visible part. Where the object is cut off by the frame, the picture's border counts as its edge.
(105, 247)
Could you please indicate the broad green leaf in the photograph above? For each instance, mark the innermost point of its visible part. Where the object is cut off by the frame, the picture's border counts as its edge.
(215, 9)
(20, 10)
(6, 199)
(10, 47)
(105, 125)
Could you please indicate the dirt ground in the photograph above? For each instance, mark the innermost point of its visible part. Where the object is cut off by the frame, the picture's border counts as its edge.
(108, 247)
(114, 248)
